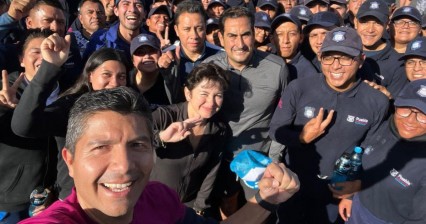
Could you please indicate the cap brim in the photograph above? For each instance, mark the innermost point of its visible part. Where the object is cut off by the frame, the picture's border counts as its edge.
(407, 15)
(308, 27)
(346, 50)
(280, 19)
(268, 3)
(404, 102)
(403, 57)
(262, 24)
(145, 44)
(380, 16)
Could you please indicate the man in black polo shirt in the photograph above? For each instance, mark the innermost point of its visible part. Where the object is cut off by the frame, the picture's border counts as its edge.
(382, 59)
(319, 118)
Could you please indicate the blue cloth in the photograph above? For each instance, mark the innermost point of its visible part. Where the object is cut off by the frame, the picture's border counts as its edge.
(250, 165)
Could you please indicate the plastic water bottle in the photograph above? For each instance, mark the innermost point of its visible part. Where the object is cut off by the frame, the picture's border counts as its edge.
(356, 163)
(342, 168)
(38, 197)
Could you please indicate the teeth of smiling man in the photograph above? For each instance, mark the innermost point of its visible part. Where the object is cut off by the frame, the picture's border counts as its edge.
(337, 75)
(117, 187)
(132, 17)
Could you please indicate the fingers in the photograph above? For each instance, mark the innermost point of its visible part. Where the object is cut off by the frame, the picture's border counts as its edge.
(166, 33)
(18, 81)
(283, 178)
(4, 80)
(327, 121)
(166, 59)
(342, 213)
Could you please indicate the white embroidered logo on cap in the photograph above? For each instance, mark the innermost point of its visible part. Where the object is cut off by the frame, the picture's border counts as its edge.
(264, 18)
(338, 36)
(416, 45)
(406, 10)
(143, 39)
(422, 91)
(303, 12)
(374, 5)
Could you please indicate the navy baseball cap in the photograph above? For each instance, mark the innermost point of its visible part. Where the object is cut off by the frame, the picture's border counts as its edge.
(376, 8)
(284, 18)
(424, 21)
(262, 19)
(416, 47)
(302, 12)
(342, 39)
(163, 8)
(322, 19)
(413, 95)
(220, 2)
(144, 40)
(272, 3)
(407, 11)
(341, 2)
(307, 2)
(212, 21)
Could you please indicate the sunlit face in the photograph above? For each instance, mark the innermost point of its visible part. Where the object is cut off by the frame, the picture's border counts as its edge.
(287, 38)
(339, 8)
(409, 127)
(31, 58)
(205, 4)
(337, 76)
(47, 17)
(370, 29)
(158, 21)
(287, 4)
(405, 33)
(130, 14)
(353, 6)
(417, 71)
(238, 41)
(205, 99)
(268, 9)
(215, 10)
(191, 30)
(316, 37)
(261, 34)
(111, 165)
(108, 75)
(317, 7)
(109, 7)
(145, 59)
(92, 16)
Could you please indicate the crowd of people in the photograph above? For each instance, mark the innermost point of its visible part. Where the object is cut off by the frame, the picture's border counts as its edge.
(131, 111)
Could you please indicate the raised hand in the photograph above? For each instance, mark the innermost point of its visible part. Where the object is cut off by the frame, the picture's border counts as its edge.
(55, 49)
(20, 8)
(8, 93)
(315, 127)
(177, 131)
(165, 42)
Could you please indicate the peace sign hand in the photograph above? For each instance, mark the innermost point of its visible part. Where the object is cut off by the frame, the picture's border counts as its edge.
(177, 131)
(8, 93)
(165, 42)
(315, 127)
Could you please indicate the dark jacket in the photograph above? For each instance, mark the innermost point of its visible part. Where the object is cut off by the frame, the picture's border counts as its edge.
(23, 161)
(34, 120)
(191, 172)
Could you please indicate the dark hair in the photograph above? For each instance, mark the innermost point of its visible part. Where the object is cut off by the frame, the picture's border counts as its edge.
(235, 12)
(30, 35)
(83, 1)
(207, 71)
(95, 60)
(189, 6)
(53, 3)
(122, 100)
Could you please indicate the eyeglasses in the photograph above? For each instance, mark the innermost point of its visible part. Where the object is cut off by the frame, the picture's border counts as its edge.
(412, 63)
(343, 60)
(406, 112)
(401, 23)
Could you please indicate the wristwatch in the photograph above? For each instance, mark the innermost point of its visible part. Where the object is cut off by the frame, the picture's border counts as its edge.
(264, 204)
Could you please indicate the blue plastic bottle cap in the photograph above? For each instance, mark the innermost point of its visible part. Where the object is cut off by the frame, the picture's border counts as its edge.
(358, 149)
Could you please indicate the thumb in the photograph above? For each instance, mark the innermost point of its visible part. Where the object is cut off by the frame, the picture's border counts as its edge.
(67, 41)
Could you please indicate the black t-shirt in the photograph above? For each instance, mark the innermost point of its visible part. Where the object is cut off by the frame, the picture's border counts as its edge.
(157, 93)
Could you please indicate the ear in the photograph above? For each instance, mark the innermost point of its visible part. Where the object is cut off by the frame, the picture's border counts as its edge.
(301, 38)
(362, 58)
(116, 10)
(148, 22)
(176, 30)
(79, 16)
(69, 160)
(220, 35)
(187, 94)
(89, 77)
(28, 22)
(21, 59)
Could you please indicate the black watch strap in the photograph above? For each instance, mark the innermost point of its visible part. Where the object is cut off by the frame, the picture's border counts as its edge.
(264, 204)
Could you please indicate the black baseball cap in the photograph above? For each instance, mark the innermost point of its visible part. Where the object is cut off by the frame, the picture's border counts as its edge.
(341, 2)
(376, 8)
(272, 3)
(212, 21)
(262, 19)
(144, 40)
(413, 95)
(163, 8)
(307, 2)
(407, 11)
(327, 20)
(283, 18)
(302, 12)
(416, 47)
(220, 2)
(342, 39)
